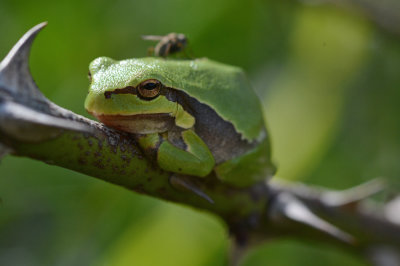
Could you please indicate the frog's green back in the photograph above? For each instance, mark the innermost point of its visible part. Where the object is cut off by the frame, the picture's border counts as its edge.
(222, 87)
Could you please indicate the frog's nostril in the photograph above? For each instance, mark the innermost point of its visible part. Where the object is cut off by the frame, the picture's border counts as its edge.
(90, 77)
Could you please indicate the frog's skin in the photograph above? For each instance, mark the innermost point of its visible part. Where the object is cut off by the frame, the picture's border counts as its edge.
(196, 117)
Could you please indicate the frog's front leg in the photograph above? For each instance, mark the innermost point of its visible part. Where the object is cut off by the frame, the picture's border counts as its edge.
(195, 159)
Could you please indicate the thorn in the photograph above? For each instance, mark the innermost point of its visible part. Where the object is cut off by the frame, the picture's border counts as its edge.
(348, 198)
(14, 69)
(178, 181)
(16, 120)
(353, 196)
(392, 210)
(287, 206)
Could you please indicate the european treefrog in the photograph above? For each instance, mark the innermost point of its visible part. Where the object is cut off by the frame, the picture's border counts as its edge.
(191, 117)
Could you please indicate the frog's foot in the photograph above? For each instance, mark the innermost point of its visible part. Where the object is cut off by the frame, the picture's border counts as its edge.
(195, 160)
(181, 182)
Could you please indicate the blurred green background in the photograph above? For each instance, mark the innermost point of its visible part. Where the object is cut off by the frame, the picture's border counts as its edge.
(329, 80)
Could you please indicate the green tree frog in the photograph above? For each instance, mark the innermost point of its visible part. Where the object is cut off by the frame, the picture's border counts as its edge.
(192, 117)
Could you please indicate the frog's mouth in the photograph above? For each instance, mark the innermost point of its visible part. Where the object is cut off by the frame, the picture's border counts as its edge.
(140, 123)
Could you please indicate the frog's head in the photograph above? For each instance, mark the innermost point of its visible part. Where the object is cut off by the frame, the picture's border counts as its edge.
(131, 95)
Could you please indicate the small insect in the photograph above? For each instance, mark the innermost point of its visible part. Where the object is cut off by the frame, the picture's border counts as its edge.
(169, 44)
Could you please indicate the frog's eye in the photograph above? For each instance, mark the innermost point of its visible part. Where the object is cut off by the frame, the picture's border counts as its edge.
(149, 89)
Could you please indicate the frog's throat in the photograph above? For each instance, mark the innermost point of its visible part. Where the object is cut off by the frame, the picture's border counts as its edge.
(140, 123)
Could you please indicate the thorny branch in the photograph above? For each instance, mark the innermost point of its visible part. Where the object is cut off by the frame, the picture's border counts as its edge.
(264, 211)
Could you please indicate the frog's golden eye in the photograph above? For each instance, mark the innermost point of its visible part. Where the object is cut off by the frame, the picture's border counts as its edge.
(149, 89)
